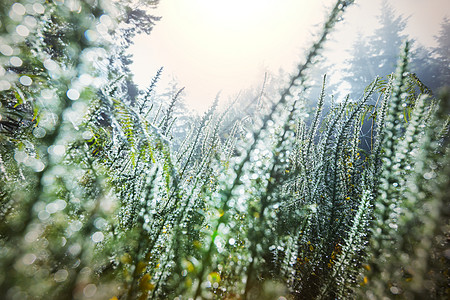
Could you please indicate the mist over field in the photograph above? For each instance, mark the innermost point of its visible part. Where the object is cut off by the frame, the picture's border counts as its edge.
(202, 44)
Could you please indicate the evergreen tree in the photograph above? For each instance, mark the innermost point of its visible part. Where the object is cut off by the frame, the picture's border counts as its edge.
(376, 55)
(432, 65)
(442, 52)
(361, 68)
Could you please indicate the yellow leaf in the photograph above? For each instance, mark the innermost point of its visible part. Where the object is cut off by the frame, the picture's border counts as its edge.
(140, 268)
(214, 277)
(145, 283)
(126, 258)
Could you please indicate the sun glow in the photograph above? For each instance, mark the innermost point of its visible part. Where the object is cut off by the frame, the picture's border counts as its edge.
(238, 11)
(227, 45)
(213, 45)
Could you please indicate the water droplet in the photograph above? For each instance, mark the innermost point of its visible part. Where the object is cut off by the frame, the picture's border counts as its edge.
(18, 9)
(102, 29)
(28, 259)
(50, 65)
(429, 175)
(105, 19)
(39, 132)
(90, 290)
(43, 215)
(91, 35)
(393, 226)
(100, 223)
(4, 85)
(32, 236)
(6, 50)
(97, 237)
(59, 150)
(38, 8)
(75, 249)
(51, 208)
(61, 275)
(22, 30)
(73, 94)
(75, 226)
(394, 290)
(25, 80)
(85, 79)
(30, 21)
(15, 61)
(20, 156)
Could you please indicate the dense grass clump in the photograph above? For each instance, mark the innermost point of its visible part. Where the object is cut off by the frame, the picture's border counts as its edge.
(96, 201)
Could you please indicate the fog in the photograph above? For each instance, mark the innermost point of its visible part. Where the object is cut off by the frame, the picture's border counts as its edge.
(209, 46)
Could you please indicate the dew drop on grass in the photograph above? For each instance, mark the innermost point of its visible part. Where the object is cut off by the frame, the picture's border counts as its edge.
(28, 259)
(50, 65)
(20, 156)
(4, 85)
(30, 21)
(429, 175)
(59, 150)
(22, 30)
(51, 208)
(39, 132)
(75, 249)
(6, 50)
(38, 8)
(61, 275)
(25, 80)
(90, 290)
(43, 215)
(100, 223)
(18, 9)
(15, 61)
(73, 94)
(97, 237)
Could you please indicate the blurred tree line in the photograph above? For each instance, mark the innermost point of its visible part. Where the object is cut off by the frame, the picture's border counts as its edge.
(376, 55)
(370, 56)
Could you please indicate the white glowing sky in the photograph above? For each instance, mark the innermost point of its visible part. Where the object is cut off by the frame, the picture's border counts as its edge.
(213, 45)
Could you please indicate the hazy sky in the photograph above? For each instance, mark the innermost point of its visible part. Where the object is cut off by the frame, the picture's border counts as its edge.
(213, 45)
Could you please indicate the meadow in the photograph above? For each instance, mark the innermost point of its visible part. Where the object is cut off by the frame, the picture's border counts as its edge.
(100, 200)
